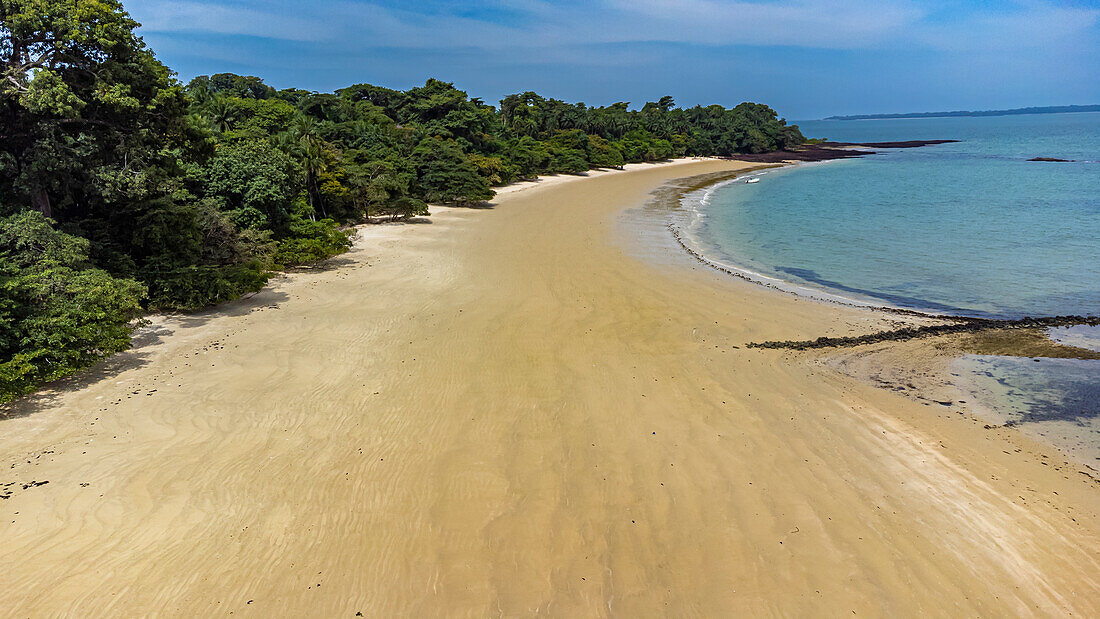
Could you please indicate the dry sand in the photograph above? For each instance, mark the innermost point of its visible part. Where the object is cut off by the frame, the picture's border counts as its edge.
(504, 412)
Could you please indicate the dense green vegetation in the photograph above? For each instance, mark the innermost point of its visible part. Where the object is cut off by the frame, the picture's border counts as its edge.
(123, 190)
(57, 313)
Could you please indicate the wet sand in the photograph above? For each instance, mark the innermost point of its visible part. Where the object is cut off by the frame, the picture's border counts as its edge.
(506, 412)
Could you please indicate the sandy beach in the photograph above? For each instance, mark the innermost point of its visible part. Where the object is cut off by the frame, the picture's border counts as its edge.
(506, 411)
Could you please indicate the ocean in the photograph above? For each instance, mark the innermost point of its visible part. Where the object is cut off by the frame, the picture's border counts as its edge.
(970, 228)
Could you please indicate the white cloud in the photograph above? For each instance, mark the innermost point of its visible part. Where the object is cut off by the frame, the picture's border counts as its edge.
(826, 24)
(836, 24)
(1032, 26)
(209, 17)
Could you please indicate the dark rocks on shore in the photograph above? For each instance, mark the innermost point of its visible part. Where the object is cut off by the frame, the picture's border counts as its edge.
(827, 151)
(902, 144)
(960, 325)
(811, 152)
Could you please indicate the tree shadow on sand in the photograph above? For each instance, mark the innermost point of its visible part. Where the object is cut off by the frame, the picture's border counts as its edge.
(386, 221)
(331, 264)
(475, 206)
(143, 345)
(51, 394)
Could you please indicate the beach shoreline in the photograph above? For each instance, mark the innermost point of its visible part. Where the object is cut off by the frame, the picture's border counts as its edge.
(693, 196)
(928, 372)
(506, 412)
(684, 233)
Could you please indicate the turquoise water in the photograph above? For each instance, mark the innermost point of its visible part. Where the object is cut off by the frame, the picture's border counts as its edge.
(971, 227)
(967, 228)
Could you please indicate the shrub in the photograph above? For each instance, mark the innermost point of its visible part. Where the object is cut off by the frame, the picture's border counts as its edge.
(310, 241)
(57, 314)
(194, 287)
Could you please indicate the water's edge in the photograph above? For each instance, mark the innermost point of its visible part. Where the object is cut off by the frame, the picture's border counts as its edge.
(1042, 417)
(686, 209)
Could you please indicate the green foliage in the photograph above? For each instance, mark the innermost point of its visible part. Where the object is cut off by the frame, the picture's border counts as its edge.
(446, 174)
(46, 94)
(90, 116)
(604, 154)
(310, 241)
(492, 169)
(438, 145)
(252, 181)
(194, 287)
(229, 84)
(407, 207)
(260, 117)
(568, 161)
(527, 156)
(57, 314)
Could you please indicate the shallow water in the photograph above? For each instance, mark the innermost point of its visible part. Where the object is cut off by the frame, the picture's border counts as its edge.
(1053, 400)
(967, 228)
(1081, 336)
(971, 227)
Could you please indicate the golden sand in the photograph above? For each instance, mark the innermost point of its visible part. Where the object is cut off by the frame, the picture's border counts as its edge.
(503, 412)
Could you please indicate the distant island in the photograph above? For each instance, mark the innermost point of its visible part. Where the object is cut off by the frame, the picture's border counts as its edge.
(1052, 109)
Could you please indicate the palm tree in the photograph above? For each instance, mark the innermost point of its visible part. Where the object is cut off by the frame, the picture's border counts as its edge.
(303, 143)
(312, 159)
(200, 92)
(306, 129)
(221, 114)
(288, 143)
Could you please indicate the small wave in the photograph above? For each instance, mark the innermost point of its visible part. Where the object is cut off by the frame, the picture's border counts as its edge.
(768, 281)
(694, 204)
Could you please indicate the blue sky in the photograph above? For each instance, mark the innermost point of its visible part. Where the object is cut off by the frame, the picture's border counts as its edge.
(806, 58)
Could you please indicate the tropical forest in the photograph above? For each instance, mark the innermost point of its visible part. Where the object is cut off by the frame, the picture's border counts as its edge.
(125, 191)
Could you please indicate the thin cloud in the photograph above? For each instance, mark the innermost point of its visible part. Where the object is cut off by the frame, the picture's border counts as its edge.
(1030, 26)
(838, 24)
(158, 16)
(534, 24)
(807, 57)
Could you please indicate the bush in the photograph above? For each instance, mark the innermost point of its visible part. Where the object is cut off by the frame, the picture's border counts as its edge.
(57, 314)
(310, 241)
(569, 161)
(192, 288)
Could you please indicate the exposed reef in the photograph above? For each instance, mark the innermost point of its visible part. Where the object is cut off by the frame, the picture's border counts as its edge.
(827, 151)
(956, 325)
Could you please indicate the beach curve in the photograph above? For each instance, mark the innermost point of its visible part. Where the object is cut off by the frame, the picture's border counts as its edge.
(503, 412)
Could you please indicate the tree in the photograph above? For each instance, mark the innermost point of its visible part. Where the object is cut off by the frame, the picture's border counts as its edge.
(492, 169)
(527, 156)
(221, 114)
(97, 135)
(389, 100)
(258, 117)
(603, 154)
(375, 183)
(446, 174)
(252, 182)
(231, 85)
(84, 104)
(406, 207)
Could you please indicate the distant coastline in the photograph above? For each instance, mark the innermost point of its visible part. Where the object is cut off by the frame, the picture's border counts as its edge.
(1053, 109)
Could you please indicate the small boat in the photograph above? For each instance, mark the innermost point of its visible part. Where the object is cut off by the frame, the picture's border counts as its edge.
(752, 180)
